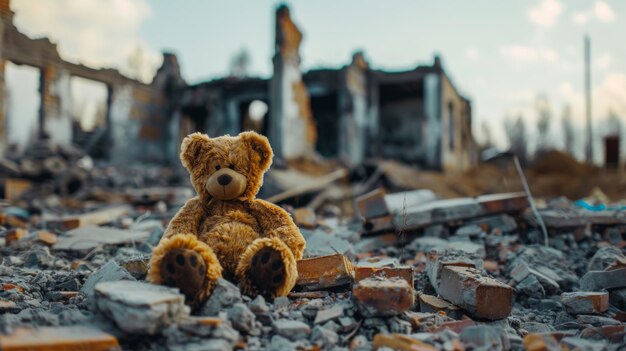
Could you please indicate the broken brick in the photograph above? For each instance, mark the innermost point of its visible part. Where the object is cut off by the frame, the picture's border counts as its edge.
(378, 296)
(481, 296)
(46, 237)
(372, 204)
(433, 304)
(14, 235)
(437, 260)
(7, 306)
(400, 342)
(59, 338)
(305, 217)
(324, 272)
(585, 302)
(378, 224)
(364, 272)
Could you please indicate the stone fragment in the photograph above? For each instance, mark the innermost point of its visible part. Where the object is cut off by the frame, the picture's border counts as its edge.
(598, 280)
(433, 304)
(111, 271)
(59, 338)
(87, 238)
(324, 337)
(321, 243)
(481, 296)
(456, 326)
(292, 330)
(241, 317)
(617, 298)
(372, 204)
(305, 217)
(363, 272)
(324, 272)
(485, 337)
(138, 307)
(596, 321)
(604, 257)
(383, 297)
(400, 342)
(7, 306)
(583, 302)
(328, 314)
(224, 295)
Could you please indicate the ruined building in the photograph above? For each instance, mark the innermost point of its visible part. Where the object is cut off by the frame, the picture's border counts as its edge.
(349, 113)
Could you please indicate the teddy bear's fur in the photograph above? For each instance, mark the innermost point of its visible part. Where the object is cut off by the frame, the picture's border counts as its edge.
(225, 230)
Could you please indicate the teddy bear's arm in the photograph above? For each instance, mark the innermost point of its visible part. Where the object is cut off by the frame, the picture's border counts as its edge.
(187, 219)
(277, 223)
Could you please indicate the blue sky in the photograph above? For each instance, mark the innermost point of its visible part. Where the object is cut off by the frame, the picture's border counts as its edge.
(501, 54)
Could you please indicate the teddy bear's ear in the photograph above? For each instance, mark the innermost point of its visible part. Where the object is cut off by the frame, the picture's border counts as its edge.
(261, 150)
(191, 147)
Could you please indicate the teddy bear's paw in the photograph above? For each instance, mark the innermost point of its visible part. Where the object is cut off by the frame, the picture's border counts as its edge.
(184, 269)
(267, 270)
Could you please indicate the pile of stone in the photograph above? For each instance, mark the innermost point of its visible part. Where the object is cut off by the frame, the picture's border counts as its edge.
(473, 276)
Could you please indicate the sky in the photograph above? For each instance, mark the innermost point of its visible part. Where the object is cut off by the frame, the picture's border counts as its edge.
(500, 54)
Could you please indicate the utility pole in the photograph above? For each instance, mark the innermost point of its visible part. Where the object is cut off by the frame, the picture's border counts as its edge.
(589, 146)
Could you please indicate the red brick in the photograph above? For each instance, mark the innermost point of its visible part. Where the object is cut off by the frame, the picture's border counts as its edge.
(583, 302)
(324, 272)
(481, 296)
(383, 297)
(540, 342)
(59, 339)
(364, 272)
(14, 235)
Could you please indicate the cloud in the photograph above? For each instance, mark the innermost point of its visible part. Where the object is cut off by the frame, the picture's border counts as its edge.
(600, 11)
(472, 53)
(603, 12)
(98, 33)
(527, 54)
(546, 13)
(604, 61)
(608, 96)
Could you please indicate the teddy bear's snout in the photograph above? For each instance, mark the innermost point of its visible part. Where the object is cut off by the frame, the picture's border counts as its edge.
(224, 179)
(226, 184)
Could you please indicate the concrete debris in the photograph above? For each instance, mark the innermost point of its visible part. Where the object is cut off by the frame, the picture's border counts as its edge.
(88, 238)
(364, 272)
(59, 338)
(109, 272)
(139, 308)
(241, 318)
(224, 295)
(292, 330)
(598, 280)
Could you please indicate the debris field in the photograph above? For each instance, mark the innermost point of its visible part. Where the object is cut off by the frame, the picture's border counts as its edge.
(406, 270)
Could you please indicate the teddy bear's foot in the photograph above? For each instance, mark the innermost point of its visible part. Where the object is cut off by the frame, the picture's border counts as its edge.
(184, 269)
(267, 270)
(267, 267)
(187, 263)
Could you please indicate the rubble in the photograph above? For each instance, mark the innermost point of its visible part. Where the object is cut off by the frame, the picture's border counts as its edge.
(324, 272)
(377, 296)
(137, 307)
(585, 302)
(59, 338)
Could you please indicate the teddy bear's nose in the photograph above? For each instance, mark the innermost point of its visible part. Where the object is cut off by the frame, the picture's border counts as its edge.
(224, 179)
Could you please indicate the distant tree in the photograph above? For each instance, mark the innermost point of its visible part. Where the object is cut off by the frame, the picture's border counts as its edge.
(567, 124)
(516, 134)
(544, 114)
(240, 63)
(486, 130)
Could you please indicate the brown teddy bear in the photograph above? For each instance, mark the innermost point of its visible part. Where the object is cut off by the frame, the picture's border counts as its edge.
(225, 230)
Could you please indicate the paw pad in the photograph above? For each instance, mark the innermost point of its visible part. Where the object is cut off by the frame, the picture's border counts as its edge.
(267, 271)
(184, 269)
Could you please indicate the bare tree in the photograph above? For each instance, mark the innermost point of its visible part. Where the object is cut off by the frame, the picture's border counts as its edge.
(486, 130)
(516, 134)
(240, 63)
(544, 114)
(569, 136)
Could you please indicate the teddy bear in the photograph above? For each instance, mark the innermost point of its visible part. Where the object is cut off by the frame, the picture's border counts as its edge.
(225, 231)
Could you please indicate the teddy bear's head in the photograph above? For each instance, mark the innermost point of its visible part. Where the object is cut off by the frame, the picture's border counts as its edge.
(226, 167)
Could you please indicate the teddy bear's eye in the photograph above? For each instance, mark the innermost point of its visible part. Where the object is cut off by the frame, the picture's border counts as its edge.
(231, 166)
(218, 167)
